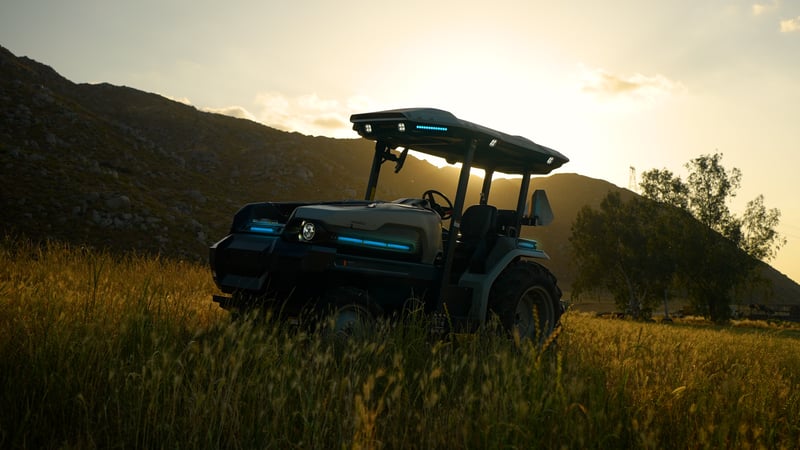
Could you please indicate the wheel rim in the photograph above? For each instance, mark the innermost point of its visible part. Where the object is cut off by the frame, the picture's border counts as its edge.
(352, 319)
(534, 316)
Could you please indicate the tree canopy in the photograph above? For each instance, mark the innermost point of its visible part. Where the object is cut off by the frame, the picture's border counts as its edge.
(677, 234)
(706, 195)
(625, 247)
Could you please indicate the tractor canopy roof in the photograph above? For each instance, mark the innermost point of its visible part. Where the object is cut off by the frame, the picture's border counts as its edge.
(442, 134)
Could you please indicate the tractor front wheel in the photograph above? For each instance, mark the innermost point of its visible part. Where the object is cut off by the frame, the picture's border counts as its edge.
(349, 312)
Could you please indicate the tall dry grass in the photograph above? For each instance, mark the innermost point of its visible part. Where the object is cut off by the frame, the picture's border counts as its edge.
(107, 351)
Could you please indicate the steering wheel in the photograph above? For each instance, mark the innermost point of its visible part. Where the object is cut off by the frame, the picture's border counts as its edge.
(444, 212)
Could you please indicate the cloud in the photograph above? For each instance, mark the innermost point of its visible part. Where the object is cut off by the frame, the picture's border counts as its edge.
(790, 25)
(183, 100)
(762, 8)
(635, 88)
(606, 83)
(330, 122)
(308, 114)
(233, 111)
(786, 26)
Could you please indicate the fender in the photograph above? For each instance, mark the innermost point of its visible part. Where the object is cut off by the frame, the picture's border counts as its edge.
(505, 251)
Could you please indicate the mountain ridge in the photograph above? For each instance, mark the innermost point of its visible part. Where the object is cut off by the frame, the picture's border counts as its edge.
(112, 166)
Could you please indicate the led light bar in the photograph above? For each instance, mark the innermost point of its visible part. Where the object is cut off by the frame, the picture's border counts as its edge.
(431, 128)
(372, 243)
(265, 229)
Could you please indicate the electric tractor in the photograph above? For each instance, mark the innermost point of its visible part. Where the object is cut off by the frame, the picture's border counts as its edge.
(359, 260)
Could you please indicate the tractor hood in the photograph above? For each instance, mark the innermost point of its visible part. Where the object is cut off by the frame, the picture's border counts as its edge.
(378, 226)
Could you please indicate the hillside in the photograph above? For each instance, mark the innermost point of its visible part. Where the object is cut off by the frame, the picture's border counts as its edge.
(111, 166)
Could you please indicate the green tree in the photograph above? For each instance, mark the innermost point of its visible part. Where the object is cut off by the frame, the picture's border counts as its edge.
(720, 254)
(710, 269)
(662, 186)
(758, 235)
(626, 248)
(710, 187)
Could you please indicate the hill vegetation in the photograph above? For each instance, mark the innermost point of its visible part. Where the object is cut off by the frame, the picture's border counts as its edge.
(116, 168)
(100, 350)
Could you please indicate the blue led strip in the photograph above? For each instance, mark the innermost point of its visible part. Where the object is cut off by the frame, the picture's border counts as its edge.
(373, 243)
(431, 128)
(525, 243)
(267, 230)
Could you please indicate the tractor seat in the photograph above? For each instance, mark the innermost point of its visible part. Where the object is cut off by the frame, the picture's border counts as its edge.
(478, 234)
(507, 222)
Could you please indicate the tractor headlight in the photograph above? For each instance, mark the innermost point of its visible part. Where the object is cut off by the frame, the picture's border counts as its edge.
(307, 231)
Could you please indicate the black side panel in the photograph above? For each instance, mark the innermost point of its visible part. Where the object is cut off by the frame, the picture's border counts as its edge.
(242, 262)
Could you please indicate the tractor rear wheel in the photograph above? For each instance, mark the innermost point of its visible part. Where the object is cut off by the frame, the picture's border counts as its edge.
(527, 300)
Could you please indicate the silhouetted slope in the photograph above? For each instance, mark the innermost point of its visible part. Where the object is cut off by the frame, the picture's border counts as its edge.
(113, 166)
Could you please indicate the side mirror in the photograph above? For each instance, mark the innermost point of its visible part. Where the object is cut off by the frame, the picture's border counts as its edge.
(541, 214)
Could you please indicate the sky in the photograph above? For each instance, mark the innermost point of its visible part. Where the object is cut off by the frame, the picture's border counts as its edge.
(613, 84)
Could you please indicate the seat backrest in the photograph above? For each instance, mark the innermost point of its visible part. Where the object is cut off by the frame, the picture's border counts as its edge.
(478, 221)
(507, 222)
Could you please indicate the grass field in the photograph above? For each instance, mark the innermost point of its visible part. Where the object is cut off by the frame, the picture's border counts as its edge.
(104, 351)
